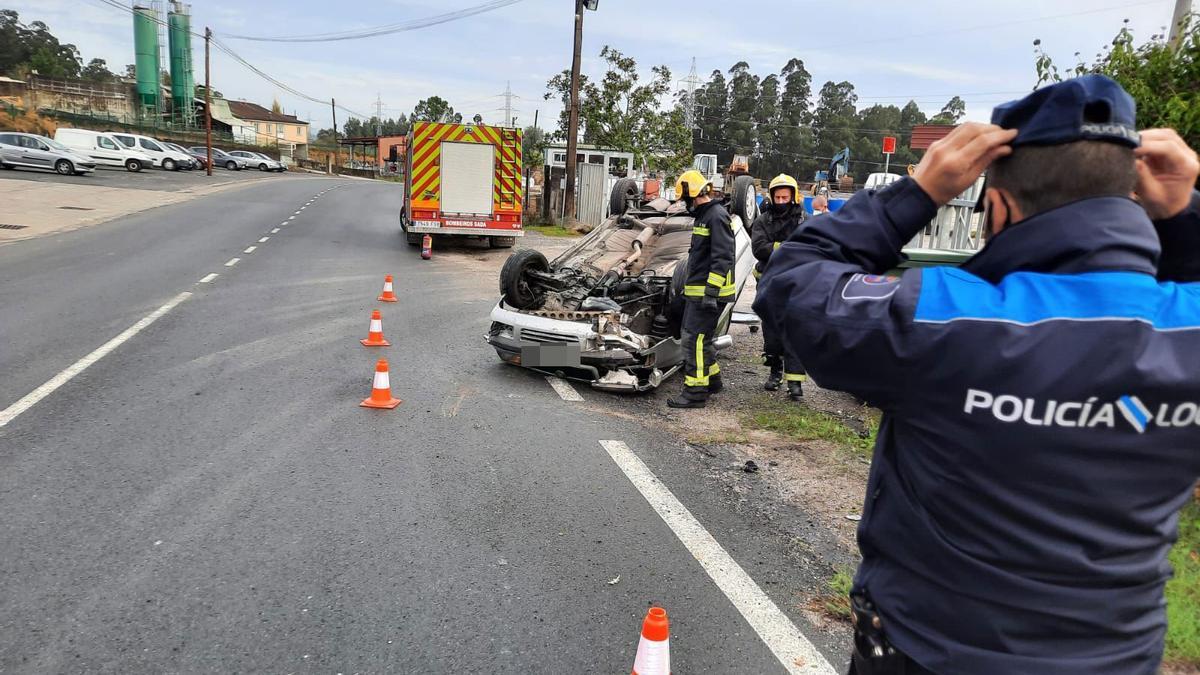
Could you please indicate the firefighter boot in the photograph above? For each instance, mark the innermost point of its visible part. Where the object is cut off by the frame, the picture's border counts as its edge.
(776, 376)
(690, 397)
(795, 390)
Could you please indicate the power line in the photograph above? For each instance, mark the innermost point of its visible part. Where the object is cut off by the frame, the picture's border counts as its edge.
(388, 29)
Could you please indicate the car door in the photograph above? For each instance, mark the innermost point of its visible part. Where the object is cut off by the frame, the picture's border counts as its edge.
(35, 153)
(107, 151)
(156, 151)
(10, 152)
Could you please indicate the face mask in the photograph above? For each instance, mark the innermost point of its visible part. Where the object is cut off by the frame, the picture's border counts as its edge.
(817, 212)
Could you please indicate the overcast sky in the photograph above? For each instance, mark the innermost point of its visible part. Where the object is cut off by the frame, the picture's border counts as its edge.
(927, 50)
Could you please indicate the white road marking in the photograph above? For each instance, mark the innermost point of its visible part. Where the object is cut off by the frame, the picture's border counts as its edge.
(232, 262)
(250, 249)
(291, 217)
(29, 400)
(794, 651)
(209, 278)
(295, 214)
(302, 208)
(263, 239)
(275, 231)
(565, 391)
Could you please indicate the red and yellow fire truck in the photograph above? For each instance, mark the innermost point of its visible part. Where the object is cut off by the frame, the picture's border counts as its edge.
(463, 180)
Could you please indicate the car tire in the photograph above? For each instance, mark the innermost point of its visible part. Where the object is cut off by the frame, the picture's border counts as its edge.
(169, 165)
(262, 167)
(745, 202)
(231, 166)
(502, 242)
(133, 165)
(618, 200)
(514, 282)
(64, 167)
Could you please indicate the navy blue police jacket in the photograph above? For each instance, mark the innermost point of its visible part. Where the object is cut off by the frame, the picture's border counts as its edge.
(1040, 430)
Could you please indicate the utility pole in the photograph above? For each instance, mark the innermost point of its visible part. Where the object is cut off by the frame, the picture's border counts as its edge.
(337, 151)
(207, 100)
(1183, 9)
(573, 123)
(529, 170)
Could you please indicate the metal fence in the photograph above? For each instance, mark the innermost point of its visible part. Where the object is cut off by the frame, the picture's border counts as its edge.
(956, 227)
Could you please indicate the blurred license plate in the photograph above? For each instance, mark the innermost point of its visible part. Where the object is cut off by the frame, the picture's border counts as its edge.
(550, 355)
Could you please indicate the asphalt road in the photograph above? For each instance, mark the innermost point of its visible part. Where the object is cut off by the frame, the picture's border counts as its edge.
(209, 497)
(146, 179)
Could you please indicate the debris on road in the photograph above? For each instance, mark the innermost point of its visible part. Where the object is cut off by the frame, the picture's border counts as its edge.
(750, 466)
(615, 580)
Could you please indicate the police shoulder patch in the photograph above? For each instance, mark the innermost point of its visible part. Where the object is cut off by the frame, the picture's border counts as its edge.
(870, 286)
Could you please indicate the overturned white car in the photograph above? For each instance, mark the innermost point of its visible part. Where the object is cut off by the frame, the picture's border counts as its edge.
(607, 311)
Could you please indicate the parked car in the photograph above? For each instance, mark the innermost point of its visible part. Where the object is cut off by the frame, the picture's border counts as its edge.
(197, 162)
(162, 156)
(102, 148)
(263, 162)
(38, 152)
(222, 158)
(608, 310)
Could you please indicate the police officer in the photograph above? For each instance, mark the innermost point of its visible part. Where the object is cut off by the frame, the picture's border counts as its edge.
(783, 214)
(1041, 420)
(708, 287)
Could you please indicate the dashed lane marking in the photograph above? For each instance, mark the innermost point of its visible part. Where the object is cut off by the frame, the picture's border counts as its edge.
(794, 651)
(291, 217)
(209, 278)
(564, 390)
(31, 399)
(250, 249)
(232, 262)
(275, 231)
(264, 239)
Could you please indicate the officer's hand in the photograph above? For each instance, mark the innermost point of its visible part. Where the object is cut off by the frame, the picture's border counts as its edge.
(1167, 170)
(708, 302)
(954, 162)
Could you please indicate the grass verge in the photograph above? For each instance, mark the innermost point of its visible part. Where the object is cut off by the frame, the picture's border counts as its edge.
(835, 601)
(801, 423)
(1183, 594)
(551, 230)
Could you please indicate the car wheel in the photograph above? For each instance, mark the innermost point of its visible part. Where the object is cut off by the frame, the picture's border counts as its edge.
(262, 167)
(514, 279)
(623, 191)
(133, 165)
(64, 167)
(231, 165)
(745, 202)
(502, 242)
(168, 165)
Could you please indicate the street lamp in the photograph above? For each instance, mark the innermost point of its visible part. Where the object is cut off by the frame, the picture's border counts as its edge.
(573, 124)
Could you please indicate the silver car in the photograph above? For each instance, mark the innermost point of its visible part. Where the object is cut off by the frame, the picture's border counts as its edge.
(222, 158)
(258, 159)
(38, 152)
(607, 311)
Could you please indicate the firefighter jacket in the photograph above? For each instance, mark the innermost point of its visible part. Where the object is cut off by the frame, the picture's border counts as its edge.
(712, 254)
(1040, 425)
(771, 229)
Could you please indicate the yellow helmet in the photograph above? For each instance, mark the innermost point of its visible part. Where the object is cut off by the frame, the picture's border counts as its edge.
(691, 184)
(784, 180)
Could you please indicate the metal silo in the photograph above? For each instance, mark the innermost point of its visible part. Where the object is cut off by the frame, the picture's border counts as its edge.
(183, 80)
(145, 47)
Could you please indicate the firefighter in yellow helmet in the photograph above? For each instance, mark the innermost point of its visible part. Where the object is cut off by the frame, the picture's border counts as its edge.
(782, 216)
(708, 287)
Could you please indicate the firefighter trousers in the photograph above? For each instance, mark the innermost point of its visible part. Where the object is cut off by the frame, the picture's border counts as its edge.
(776, 354)
(696, 339)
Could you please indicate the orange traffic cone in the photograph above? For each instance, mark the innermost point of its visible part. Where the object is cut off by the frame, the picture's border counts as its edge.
(387, 295)
(375, 332)
(381, 389)
(654, 649)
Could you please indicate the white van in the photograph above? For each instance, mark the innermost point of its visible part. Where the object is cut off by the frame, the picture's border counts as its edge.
(103, 148)
(162, 156)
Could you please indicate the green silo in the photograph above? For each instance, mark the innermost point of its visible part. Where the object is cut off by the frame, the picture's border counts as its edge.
(183, 80)
(145, 47)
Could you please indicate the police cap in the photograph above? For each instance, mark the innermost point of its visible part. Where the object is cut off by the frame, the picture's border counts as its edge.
(1087, 108)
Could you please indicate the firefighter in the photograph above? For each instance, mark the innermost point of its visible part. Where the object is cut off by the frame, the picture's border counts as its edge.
(783, 215)
(1039, 433)
(709, 286)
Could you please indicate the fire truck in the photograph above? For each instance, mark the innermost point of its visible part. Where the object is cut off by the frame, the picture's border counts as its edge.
(462, 180)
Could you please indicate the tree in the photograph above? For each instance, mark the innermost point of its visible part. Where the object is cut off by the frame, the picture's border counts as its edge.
(131, 73)
(712, 104)
(435, 109)
(621, 112)
(1164, 81)
(766, 123)
(740, 131)
(951, 113)
(834, 120)
(795, 140)
(276, 107)
(533, 146)
(97, 71)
